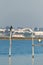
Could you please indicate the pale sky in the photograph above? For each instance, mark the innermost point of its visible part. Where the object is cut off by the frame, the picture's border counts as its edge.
(18, 13)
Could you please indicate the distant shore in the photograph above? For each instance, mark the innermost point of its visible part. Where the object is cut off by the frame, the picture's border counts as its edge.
(19, 38)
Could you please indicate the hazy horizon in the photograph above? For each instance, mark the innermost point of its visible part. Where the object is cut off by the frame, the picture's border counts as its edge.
(21, 13)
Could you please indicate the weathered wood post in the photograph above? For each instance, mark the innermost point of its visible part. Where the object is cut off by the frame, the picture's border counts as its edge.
(32, 50)
(10, 41)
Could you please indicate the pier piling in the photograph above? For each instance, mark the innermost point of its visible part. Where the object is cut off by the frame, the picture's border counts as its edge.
(32, 50)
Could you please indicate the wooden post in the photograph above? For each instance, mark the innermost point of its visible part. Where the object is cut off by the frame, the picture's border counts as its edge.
(32, 50)
(10, 41)
(10, 45)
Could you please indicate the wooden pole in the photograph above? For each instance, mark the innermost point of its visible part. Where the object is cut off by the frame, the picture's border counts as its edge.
(32, 50)
(10, 41)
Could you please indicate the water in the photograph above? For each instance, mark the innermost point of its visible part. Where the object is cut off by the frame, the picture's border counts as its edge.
(21, 52)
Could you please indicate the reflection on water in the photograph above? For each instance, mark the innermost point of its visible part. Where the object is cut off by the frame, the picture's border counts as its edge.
(21, 60)
(10, 61)
(22, 51)
(32, 61)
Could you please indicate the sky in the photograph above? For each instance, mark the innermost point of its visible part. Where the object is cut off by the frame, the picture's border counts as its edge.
(21, 13)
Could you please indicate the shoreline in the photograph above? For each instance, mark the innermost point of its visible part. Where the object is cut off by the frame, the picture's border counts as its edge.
(19, 38)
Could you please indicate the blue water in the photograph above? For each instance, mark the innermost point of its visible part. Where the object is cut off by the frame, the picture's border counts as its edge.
(20, 47)
(21, 52)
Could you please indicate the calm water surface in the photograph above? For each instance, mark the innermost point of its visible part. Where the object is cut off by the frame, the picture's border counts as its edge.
(21, 52)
